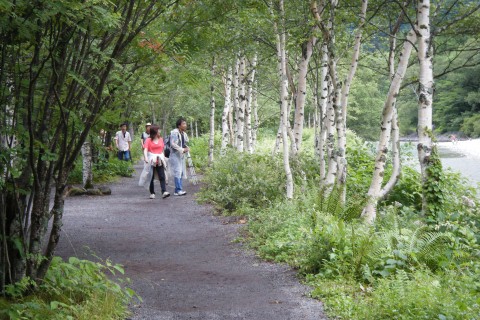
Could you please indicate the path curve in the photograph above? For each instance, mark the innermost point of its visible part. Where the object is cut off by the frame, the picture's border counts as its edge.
(181, 259)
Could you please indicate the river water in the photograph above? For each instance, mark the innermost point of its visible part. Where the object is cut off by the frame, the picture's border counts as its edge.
(468, 166)
(453, 157)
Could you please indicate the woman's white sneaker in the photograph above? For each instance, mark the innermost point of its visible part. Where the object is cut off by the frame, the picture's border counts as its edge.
(152, 196)
(180, 193)
(166, 195)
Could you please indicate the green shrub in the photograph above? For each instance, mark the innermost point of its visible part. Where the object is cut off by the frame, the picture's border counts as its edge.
(105, 170)
(199, 150)
(239, 179)
(77, 289)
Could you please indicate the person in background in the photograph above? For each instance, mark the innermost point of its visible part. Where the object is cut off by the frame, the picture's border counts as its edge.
(146, 134)
(178, 142)
(153, 155)
(123, 142)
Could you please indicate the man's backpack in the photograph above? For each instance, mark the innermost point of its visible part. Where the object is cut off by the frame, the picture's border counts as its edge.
(166, 149)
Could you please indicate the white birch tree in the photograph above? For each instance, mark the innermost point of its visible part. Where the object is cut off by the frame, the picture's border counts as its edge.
(425, 94)
(87, 172)
(301, 90)
(255, 116)
(248, 107)
(283, 90)
(236, 101)
(227, 81)
(241, 105)
(211, 141)
(389, 109)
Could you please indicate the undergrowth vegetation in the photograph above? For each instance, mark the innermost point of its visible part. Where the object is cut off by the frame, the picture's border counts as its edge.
(404, 267)
(106, 166)
(77, 289)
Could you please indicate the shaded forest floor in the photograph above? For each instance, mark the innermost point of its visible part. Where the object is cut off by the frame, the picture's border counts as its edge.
(182, 259)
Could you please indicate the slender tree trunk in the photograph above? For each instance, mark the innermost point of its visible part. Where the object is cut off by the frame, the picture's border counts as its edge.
(395, 136)
(226, 108)
(330, 141)
(291, 135)
(241, 106)
(211, 143)
(396, 163)
(87, 165)
(369, 213)
(255, 116)
(425, 97)
(282, 72)
(236, 100)
(341, 176)
(248, 108)
(278, 138)
(307, 49)
(323, 119)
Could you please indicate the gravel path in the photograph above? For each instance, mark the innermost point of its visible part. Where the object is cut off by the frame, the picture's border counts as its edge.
(181, 259)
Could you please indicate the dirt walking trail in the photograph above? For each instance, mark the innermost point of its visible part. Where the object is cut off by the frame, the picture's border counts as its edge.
(181, 258)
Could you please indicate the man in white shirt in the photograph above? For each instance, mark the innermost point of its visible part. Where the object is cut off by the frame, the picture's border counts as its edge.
(123, 142)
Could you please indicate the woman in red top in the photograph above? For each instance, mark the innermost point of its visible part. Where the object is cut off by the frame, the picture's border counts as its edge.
(153, 154)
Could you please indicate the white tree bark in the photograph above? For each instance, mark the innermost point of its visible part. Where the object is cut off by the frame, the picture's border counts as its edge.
(248, 107)
(255, 116)
(324, 122)
(211, 141)
(396, 163)
(282, 73)
(236, 101)
(374, 192)
(395, 136)
(87, 173)
(341, 176)
(226, 108)
(425, 91)
(241, 106)
(330, 140)
(300, 95)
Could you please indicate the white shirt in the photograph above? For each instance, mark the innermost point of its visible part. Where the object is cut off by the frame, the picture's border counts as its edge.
(123, 140)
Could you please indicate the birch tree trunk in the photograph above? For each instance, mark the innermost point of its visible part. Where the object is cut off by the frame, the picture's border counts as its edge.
(425, 96)
(324, 124)
(330, 141)
(248, 108)
(87, 173)
(395, 136)
(236, 101)
(226, 108)
(211, 141)
(282, 73)
(396, 163)
(241, 106)
(307, 49)
(369, 213)
(255, 116)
